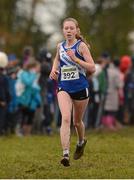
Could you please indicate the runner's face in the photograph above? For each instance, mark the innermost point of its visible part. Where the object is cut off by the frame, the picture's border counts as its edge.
(69, 30)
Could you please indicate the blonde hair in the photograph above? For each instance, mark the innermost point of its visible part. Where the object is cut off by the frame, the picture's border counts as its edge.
(78, 35)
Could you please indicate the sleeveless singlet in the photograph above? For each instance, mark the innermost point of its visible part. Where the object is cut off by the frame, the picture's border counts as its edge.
(72, 77)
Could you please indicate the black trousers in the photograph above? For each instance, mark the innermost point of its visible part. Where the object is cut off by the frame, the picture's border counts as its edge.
(3, 111)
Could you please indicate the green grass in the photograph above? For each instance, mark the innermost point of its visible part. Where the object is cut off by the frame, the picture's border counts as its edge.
(107, 155)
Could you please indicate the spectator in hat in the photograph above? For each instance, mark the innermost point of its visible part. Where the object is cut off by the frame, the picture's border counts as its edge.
(12, 61)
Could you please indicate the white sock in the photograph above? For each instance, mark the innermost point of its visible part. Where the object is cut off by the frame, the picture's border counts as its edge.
(66, 151)
(80, 142)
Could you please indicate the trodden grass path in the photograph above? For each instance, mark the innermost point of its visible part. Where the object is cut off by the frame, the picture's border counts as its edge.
(107, 155)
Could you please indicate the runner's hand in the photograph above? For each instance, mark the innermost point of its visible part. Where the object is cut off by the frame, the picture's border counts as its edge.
(54, 74)
(71, 54)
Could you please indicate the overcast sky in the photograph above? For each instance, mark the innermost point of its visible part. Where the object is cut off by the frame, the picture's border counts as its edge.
(47, 15)
(47, 12)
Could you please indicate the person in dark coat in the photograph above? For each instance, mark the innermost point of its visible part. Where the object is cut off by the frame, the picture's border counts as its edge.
(4, 92)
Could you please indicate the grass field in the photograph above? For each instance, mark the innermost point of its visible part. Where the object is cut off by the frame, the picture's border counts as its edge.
(107, 155)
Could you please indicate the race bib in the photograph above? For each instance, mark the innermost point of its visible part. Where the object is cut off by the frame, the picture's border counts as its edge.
(69, 73)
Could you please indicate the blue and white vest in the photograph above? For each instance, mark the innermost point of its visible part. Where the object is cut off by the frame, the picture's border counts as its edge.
(72, 77)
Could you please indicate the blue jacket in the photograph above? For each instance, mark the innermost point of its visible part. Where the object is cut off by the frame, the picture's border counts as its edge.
(31, 97)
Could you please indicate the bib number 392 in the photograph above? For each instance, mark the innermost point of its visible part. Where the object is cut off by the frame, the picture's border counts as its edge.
(69, 73)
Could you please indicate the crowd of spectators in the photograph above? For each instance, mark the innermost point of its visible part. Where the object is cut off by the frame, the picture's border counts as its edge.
(28, 102)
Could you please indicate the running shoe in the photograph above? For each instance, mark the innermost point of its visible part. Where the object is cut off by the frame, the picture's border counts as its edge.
(79, 150)
(65, 160)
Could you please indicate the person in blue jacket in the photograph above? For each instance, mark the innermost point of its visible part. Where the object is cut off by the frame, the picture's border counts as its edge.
(72, 60)
(29, 99)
